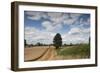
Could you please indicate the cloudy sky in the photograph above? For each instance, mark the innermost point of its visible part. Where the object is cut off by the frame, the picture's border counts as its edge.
(43, 26)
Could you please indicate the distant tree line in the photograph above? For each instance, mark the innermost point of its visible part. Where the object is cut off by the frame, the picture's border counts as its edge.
(37, 44)
(57, 42)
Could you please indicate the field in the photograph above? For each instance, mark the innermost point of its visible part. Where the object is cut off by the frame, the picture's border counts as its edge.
(74, 52)
(41, 53)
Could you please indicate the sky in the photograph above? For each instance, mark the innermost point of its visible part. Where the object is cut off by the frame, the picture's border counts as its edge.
(43, 26)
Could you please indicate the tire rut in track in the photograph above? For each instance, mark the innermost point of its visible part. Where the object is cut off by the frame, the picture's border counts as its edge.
(48, 54)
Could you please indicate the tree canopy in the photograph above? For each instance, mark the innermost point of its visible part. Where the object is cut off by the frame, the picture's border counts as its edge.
(57, 41)
(25, 43)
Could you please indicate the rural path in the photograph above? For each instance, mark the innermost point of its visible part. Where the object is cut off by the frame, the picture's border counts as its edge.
(39, 53)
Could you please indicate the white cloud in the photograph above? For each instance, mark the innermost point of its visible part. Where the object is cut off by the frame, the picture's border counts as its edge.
(55, 19)
(36, 15)
(65, 18)
(76, 30)
(77, 35)
(33, 15)
(71, 18)
(69, 21)
(69, 38)
(58, 19)
(86, 22)
(32, 35)
(75, 15)
(54, 15)
(49, 26)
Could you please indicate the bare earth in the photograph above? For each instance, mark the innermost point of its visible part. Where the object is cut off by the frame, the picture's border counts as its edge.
(39, 53)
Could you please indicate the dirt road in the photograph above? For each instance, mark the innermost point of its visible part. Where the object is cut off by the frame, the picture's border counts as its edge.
(39, 53)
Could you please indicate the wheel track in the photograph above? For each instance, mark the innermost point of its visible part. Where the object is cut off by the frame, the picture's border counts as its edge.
(49, 54)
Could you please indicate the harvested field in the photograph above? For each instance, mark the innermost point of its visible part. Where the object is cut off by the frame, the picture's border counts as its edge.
(38, 53)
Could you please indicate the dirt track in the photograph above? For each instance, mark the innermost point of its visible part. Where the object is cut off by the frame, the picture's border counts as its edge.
(39, 53)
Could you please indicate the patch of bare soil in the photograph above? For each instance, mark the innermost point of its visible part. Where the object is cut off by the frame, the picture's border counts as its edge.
(31, 53)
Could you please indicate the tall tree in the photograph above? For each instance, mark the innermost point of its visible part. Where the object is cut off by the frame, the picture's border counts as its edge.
(89, 40)
(57, 41)
(25, 42)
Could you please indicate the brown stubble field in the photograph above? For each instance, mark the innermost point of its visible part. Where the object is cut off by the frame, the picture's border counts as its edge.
(39, 53)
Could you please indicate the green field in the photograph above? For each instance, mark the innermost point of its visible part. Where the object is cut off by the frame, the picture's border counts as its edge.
(75, 51)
